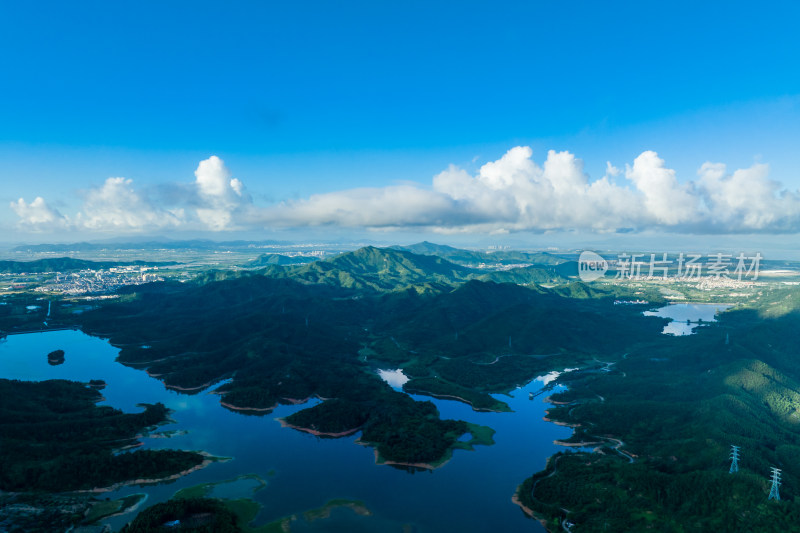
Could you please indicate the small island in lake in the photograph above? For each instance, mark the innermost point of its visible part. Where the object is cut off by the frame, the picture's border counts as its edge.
(56, 358)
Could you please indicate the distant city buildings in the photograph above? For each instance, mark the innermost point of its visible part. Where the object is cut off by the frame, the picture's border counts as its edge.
(99, 281)
(631, 302)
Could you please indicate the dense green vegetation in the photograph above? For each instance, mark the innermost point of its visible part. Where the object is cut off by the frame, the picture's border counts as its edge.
(101, 509)
(15, 315)
(195, 515)
(198, 514)
(285, 333)
(23, 312)
(55, 438)
(56, 357)
(438, 388)
(373, 269)
(379, 270)
(279, 259)
(332, 416)
(470, 257)
(603, 492)
(678, 404)
(41, 512)
(403, 430)
(290, 337)
(493, 337)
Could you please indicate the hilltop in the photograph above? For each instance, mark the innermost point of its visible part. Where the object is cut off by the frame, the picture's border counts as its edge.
(279, 259)
(389, 269)
(474, 258)
(373, 269)
(283, 334)
(662, 410)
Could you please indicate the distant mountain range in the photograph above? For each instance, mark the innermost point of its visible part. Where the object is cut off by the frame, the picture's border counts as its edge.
(66, 264)
(424, 266)
(198, 244)
(167, 244)
(280, 259)
(474, 258)
(393, 269)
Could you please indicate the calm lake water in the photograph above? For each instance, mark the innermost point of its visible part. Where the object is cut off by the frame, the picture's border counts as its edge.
(680, 313)
(471, 493)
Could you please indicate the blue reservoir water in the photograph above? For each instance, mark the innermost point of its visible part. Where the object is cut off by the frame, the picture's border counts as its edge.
(681, 313)
(471, 493)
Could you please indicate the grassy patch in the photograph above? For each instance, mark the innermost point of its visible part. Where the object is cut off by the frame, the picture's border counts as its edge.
(104, 509)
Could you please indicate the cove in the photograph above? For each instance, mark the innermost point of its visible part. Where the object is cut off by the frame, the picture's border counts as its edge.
(471, 493)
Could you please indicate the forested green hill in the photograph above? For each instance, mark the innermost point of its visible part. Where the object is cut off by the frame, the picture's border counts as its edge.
(287, 338)
(678, 405)
(662, 410)
(54, 438)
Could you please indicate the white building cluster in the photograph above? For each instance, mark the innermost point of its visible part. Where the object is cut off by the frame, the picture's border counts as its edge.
(99, 281)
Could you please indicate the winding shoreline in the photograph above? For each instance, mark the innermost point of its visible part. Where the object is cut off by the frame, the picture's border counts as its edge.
(209, 459)
(530, 513)
(527, 510)
(290, 401)
(255, 409)
(317, 433)
(452, 397)
(427, 466)
(546, 418)
(559, 442)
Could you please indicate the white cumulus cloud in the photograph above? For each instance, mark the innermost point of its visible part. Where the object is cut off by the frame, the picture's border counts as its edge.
(514, 193)
(511, 194)
(38, 216)
(747, 199)
(394, 206)
(665, 200)
(220, 195)
(117, 206)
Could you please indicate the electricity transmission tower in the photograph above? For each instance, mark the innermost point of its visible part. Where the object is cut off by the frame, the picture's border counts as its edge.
(734, 459)
(776, 481)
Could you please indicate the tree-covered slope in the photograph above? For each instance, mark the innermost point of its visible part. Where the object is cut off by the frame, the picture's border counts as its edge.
(677, 405)
(53, 437)
(378, 270)
(283, 340)
(472, 258)
(279, 259)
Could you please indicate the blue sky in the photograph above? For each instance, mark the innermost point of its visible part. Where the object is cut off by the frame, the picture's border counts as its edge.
(307, 104)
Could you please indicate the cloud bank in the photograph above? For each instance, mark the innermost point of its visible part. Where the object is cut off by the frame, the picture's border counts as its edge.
(215, 201)
(512, 194)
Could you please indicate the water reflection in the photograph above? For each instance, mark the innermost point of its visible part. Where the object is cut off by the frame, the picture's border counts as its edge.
(685, 318)
(470, 493)
(395, 378)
